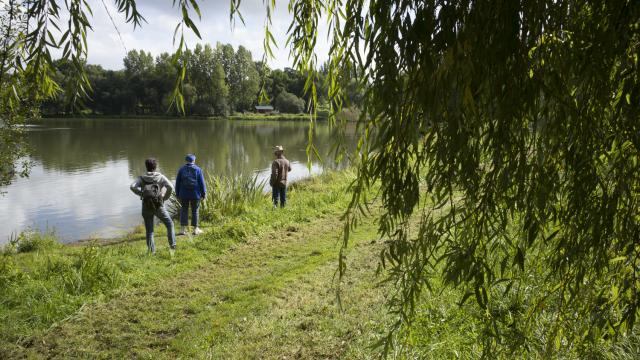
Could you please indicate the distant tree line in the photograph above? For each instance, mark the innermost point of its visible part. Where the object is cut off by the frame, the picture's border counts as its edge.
(219, 81)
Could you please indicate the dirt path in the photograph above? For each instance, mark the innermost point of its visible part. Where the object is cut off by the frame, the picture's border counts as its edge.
(271, 297)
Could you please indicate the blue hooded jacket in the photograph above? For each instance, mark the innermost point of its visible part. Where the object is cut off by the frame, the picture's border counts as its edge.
(184, 193)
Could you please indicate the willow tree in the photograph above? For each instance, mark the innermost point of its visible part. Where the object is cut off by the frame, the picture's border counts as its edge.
(12, 90)
(512, 129)
(508, 129)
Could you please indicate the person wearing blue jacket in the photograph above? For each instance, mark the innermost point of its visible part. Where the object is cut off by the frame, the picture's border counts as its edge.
(190, 189)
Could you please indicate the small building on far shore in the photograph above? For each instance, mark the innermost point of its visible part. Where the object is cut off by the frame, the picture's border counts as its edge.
(264, 109)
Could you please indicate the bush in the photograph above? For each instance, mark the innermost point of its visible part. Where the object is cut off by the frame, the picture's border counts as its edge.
(220, 106)
(289, 103)
(31, 240)
(202, 108)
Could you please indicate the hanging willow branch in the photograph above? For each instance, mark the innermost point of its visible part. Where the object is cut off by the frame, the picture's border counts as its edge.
(509, 129)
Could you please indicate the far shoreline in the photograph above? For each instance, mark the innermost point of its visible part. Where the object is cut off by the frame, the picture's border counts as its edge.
(251, 116)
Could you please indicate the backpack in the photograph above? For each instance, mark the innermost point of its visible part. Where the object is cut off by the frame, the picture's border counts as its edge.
(190, 178)
(151, 193)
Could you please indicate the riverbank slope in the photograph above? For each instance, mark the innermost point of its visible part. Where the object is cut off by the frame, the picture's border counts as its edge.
(260, 282)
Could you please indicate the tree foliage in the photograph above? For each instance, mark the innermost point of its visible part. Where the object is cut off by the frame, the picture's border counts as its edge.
(30, 31)
(18, 98)
(513, 125)
(244, 88)
(289, 103)
(509, 128)
(145, 85)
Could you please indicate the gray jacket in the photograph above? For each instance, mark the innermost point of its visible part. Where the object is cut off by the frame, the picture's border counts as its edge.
(153, 177)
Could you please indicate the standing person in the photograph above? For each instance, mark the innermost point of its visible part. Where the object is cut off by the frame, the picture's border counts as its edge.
(190, 189)
(279, 171)
(153, 189)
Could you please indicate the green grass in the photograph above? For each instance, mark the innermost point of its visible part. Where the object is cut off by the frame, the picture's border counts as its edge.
(42, 288)
(259, 283)
(270, 297)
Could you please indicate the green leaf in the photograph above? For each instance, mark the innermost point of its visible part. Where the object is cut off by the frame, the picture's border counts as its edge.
(617, 259)
(193, 27)
(466, 296)
(194, 4)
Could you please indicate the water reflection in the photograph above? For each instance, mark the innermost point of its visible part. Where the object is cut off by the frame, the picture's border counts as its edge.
(79, 185)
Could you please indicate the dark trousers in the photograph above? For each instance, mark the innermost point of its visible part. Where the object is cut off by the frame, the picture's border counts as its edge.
(184, 212)
(148, 212)
(279, 192)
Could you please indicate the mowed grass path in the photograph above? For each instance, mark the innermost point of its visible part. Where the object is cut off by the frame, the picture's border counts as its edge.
(272, 297)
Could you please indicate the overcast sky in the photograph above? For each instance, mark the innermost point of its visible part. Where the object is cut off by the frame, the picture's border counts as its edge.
(156, 36)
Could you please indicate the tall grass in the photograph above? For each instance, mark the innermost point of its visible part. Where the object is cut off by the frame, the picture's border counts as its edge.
(226, 196)
(42, 282)
(231, 196)
(86, 273)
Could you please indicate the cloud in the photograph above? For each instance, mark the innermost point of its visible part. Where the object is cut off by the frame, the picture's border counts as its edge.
(107, 48)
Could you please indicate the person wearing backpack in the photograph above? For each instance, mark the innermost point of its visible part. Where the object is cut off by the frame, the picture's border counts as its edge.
(190, 189)
(153, 189)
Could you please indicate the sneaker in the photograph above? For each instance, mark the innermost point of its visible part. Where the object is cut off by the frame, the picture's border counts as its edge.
(197, 231)
(183, 230)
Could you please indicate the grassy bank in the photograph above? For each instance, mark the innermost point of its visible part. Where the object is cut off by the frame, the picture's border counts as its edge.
(43, 283)
(259, 283)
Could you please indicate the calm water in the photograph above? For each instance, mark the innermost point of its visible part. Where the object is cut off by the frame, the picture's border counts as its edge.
(79, 184)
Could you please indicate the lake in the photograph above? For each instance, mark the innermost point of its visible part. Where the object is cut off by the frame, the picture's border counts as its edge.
(82, 168)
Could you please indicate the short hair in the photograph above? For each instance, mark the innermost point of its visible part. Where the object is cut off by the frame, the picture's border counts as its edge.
(151, 164)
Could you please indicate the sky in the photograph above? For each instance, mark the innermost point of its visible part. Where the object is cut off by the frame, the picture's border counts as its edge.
(156, 36)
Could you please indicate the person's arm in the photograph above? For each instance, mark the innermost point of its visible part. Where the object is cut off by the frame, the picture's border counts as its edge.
(135, 187)
(168, 186)
(274, 173)
(178, 177)
(288, 165)
(201, 183)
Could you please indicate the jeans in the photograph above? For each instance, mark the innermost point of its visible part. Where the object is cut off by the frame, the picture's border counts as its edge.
(184, 212)
(281, 193)
(148, 212)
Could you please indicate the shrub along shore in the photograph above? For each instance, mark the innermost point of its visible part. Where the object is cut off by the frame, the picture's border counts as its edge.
(247, 116)
(349, 114)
